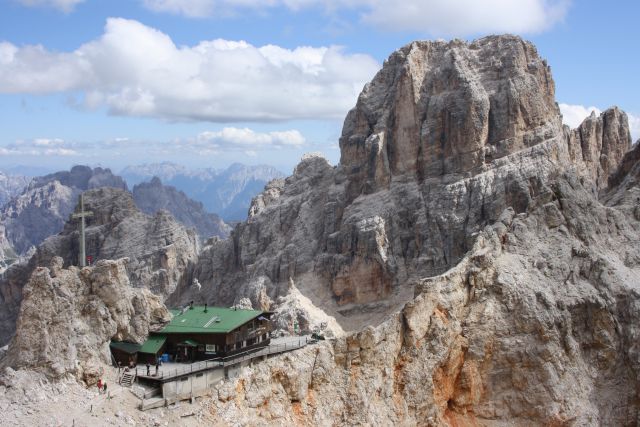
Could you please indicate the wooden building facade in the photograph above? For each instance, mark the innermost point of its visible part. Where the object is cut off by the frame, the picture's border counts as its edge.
(201, 332)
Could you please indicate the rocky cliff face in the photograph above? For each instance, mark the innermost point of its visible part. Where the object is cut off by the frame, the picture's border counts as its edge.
(153, 196)
(454, 159)
(158, 248)
(69, 316)
(537, 325)
(444, 139)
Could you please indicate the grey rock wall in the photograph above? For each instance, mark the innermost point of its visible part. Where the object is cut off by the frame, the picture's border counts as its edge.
(158, 248)
(444, 139)
(69, 316)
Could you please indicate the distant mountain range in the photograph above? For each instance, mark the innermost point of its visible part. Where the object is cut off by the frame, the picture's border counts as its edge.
(226, 192)
(153, 196)
(42, 207)
(32, 209)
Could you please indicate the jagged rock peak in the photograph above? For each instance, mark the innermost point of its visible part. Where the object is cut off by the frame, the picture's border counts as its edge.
(598, 145)
(83, 178)
(69, 316)
(153, 196)
(438, 108)
(159, 249)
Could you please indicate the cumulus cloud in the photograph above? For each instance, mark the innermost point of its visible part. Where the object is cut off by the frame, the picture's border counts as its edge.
(48, 142)
(244, 137)
(136, 70)
(463, 17)
(49, 147)
(226, 140)
(63, 5)
(573, 115)
(191, 8)
(440, 17)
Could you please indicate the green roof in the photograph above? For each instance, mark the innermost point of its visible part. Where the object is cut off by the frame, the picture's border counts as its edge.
(127, 347)
(216, 320)
(153, 344)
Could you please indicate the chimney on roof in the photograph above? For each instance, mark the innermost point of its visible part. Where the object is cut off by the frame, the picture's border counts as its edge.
(205, 307)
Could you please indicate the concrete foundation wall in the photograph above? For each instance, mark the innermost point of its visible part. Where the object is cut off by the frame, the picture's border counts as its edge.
(191, 386)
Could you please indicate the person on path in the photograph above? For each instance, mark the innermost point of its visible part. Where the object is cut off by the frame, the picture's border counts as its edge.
(100, 385)
(104, 387)
(148, 369)
(156, 368)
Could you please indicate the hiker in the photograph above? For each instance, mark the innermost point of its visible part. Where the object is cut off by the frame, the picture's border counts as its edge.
(100, 385)
(156, 368)
(148, 366)
(104, 387)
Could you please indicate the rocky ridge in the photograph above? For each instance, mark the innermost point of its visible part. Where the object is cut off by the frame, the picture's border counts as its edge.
(158, 248)
(153, 196)
(537, 325)
(454, 159)
(68, 317)
(444, 139)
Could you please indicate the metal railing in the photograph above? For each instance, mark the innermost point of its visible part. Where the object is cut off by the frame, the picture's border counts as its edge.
(221, 362)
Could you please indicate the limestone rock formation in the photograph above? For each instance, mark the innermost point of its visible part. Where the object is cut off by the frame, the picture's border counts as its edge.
(159, 249)
(485, 258)
(69, 316)
(444, 139)
(537, 325)
(595, 145)
(153, 196)
(454, 161)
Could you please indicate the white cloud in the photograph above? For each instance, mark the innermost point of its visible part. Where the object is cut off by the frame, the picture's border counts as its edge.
(50, 147)
(573, 115)
(65, 152)
(209, 143)
(48, 142)
(191, 8)
(230, 138)
(136, 70)
(63, 5)
(438, 17)
(463, 17)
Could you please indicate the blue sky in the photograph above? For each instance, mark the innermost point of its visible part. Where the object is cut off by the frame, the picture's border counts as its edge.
(208, 82)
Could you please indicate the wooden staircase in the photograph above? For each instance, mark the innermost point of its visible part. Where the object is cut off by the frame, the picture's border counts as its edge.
(127, 378)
